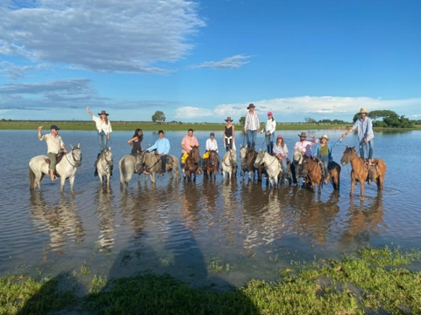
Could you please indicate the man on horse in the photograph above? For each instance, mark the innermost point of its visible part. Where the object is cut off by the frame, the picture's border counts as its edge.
(162, 147)
(187, 143)
(54, 145)
(304, 146)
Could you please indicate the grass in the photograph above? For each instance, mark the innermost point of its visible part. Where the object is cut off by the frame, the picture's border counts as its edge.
(374, 281)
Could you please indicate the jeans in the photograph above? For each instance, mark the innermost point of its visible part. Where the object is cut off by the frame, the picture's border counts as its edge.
(370, 148)
(102, 138)
(325, 160)
(269, 142)
(251, 138)
(284, 167)
(163, 162)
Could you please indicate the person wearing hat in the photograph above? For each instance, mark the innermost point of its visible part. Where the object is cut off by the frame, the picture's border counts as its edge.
(269, 130)
(365, 133)
(280, 151)
(324, 150)
(228, 137)
(305, 145)
(54, 145)
(103, 125)
(251, 126)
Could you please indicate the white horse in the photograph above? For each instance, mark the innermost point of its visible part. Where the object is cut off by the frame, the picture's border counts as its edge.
(297, 161)
(229, 164)
(153, 165)
(66, 168)
(104, 165)
(127, 166)
(272, 165)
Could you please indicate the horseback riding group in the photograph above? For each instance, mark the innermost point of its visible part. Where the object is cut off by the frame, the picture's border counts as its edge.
(312, 158)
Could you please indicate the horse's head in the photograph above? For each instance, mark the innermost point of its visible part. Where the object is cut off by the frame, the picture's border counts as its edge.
(107, 155)
(213, 157)
(250, 157)
(243, 152)
(194, 153)
(348, 155)
(297, 156)
(77, 155)
(233, 156)
(259, 159)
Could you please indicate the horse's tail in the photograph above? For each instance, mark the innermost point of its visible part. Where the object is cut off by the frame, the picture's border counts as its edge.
(122, 167)
(31, 179)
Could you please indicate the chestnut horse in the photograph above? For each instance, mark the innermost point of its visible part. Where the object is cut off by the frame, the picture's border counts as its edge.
(192, 163)
(313, 171)
(360, 172)
(211, 166)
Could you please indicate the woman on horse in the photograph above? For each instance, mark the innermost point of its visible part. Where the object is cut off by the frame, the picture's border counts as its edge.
(270, 128)
(136, 142)
(324, 150)
(280, 150)
(229, 133)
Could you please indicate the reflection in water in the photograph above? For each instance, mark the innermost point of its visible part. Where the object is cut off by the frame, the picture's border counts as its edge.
(190, 197)
(60, 219)
(106, 213)
(363, 221)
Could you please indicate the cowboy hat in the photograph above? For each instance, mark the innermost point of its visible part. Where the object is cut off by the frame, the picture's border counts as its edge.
(251, 106)
(103, 112)
(303, 134)
(228, 118)
(324, 136)
(363, 111)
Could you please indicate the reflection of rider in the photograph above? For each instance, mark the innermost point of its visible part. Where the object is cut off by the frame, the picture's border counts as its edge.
(324, 151)
(188, 142)
(162, 147)
(54, 144)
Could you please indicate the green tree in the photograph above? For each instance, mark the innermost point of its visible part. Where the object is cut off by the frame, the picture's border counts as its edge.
(158, 117)
(310, 120)
(242, 120)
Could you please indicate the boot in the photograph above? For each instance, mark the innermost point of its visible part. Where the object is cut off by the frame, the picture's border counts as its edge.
(271, 148)
(268, 148)
(96, 161)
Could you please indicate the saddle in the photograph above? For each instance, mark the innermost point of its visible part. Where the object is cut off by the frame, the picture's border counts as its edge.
(59, 156)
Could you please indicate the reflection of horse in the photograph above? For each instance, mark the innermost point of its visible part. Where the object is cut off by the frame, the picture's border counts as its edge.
(360, 172)
(66, 168)
(104, 165)
(272, 166)
(211, 166)
(192, 163)
(229, 164)
(106, 217)
(153, 165)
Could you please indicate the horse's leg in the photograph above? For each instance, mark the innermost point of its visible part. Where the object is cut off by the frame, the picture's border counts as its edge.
(351, 193)
(62, 181)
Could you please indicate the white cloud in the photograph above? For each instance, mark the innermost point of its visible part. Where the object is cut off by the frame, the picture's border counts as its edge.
(14, 72)
(227, 63)
(192, 112)
(100, 35)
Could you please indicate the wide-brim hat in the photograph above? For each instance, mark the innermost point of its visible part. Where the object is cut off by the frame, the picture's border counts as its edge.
(54, 127)
(324, 136)
(251, 106)
(103, 112)
(303, 134)
(228, 118)
(363, 111)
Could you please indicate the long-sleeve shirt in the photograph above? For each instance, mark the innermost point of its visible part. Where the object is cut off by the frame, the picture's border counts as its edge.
(54, 144)
(252, 121)
(317, 148)
(189, 142)
(101, 125)
(279, 150)
(365, 127)
(211, 145)
(161, 146)
(270, 126)
(305, 146)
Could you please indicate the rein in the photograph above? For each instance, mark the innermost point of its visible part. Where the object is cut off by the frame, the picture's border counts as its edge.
(72, 157)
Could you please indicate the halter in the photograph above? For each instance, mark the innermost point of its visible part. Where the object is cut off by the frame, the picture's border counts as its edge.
(80, 161)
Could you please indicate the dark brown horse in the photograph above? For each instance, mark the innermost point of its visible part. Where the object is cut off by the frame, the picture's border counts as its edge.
(211, 166)
(247, 165)
(361, 171)
(192, 164)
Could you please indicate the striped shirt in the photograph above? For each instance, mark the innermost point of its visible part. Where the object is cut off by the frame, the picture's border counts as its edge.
(252, 122)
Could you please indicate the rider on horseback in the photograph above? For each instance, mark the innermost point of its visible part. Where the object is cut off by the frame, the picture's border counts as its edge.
(188, 142)
(54, 144)
(162, 147)
(323, 151)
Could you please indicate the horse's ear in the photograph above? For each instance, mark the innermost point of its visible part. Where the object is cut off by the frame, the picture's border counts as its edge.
(78, 145)
(71, 146)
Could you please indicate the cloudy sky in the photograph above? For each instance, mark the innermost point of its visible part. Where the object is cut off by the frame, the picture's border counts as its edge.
(206, 60)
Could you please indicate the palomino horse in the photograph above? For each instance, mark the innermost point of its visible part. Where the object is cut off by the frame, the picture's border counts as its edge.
(229, 164)
(66, 168)
(192, 163)
(272, 166)
(127, 166)
(153, 165)
(360, 172)
(104, 165)
(211, 166)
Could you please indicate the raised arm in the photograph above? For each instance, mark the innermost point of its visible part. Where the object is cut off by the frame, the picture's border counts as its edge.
(89, 111)
(40, 132)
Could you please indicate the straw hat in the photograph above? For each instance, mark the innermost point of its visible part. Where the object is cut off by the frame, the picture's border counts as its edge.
(324, 136)
(363, 111)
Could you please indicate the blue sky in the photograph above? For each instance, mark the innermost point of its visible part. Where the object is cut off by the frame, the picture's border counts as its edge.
(206, 60)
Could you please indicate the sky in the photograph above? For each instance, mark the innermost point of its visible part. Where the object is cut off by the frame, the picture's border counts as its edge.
(202, 61)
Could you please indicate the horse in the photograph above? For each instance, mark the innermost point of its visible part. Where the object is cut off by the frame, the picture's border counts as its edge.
(361, 173)
(66, 168)
(153, 165)
(248, 157)
(211, 166)
(229, 164)
(311, 169)
(104, 165)
(127, 166)
(334, 174)
(272, 166)
(192, 164)
(296, 169)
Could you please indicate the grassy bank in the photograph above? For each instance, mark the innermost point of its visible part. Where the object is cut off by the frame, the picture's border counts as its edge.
(372, 281)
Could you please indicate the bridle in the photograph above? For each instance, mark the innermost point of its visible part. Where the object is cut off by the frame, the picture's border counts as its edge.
(77, 162)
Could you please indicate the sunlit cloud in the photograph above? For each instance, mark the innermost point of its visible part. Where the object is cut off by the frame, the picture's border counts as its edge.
(227, 63)
(192, 112)
(104, 36)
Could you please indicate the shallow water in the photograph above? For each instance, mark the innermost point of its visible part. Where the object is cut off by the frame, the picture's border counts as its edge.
(205, 232)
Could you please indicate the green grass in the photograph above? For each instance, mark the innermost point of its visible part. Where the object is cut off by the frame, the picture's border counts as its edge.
(373, 281)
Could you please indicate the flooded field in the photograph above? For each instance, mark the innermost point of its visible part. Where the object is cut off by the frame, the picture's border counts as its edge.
(221, 232)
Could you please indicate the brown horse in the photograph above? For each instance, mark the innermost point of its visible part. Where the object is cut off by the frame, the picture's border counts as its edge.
(311, 170)
(211, 166)
(248, 165)
(192, 163)
(334, 174)
(360, 171)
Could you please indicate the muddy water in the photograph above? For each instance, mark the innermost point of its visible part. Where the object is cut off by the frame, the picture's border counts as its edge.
(222, 231)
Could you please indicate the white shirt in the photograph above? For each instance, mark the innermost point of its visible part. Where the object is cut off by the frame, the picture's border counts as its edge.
(270, 126)
(101, 125)
(279, 150)
(211, 145)
(54, 144)
(252, 122)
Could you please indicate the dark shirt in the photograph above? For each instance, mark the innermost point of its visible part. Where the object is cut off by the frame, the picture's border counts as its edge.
(137, 148)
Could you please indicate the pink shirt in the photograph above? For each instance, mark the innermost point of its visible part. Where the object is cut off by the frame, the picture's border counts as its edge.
(305, 146)
(189, 142)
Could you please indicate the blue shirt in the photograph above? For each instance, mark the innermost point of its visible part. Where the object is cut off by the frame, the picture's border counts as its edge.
(365, 127)
(330, 146)
(161, 146)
